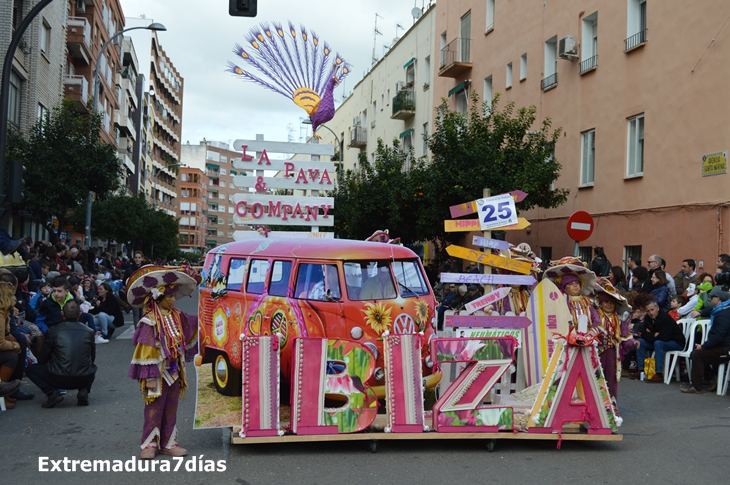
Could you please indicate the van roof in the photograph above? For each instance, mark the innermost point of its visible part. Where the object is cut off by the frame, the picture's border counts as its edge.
(334, 249)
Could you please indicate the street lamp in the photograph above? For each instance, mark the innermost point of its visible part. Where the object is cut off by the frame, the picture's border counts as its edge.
(156, 26)
(337, 139)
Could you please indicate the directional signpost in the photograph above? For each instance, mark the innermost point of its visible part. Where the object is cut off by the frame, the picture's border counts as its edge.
(489, 259)
(487, 279)
(469, 225)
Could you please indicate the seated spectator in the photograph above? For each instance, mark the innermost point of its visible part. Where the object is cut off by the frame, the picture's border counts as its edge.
(88, 289)
(447, 303)
(660, 334)
(107, 314)
(66, 360)
(618, 279)
(21, 334)
(472, 293)
(473, 268)
(600, 264)
(716, 348)
(10, 348)
(686, 276)
(638, 277)
(44, 291)
(677, 302)
(659, 288)
(49, 313)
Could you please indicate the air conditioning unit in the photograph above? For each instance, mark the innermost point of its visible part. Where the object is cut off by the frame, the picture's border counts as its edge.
(567, 47)
(356, 121)
(80, 6)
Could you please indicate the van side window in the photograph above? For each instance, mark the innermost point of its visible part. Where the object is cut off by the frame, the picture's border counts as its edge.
(410, 278)
(279, 285)
(318, 282)
(257, 276)
(236, 271)
(369, 280)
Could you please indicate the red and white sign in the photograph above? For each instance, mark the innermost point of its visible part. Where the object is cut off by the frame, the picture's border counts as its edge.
(580, 226)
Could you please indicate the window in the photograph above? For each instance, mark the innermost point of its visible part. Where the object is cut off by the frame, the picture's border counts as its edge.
(462, 102)
(588, 157)
(223, 171)
(407, 137)
(635, 155)
(465, 41)
(45, 37)
(224, 159)
(375, 111)
(318, 282)
(230, 209)
(15, 99)
(442, 49)
(279, 285)
(42, 113)
(424, 139)
(633, 252)
(256, 274)
(508, 83)
(635, 24)
(410, 279)
(490, 15)
(585, 254)
(427, 70)
(523, 67)
(488, 91)
(211, 155)
(589, 49)
(550, 79)
(236, 270)
(368, 280)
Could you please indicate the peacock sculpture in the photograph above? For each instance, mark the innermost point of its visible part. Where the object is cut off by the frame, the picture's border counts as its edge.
(295, 65)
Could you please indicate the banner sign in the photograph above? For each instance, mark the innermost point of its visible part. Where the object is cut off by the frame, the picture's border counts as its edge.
(488, 279)
(486, 321)
(487, 299)
(490, 332)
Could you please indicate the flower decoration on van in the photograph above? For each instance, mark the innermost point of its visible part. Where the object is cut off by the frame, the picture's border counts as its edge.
(421, 311)
(378, 317)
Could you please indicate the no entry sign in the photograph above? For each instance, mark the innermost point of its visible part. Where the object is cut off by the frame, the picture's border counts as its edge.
(580, 226)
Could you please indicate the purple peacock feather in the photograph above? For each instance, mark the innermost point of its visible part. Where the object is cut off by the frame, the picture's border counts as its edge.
(274, 56)
(293, 33)
(286, 61)
(315, 54)
(282, 39)
(274, 73)
(324, 69)
(305, 42)
(246, 75)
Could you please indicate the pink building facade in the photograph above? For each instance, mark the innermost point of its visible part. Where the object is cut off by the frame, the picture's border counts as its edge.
(643, 106)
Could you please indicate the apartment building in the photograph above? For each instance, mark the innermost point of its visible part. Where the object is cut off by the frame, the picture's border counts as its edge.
(393, 100)
(193, 198)
(125, 126)
(638, 88)
(165, 86)
(214, 159)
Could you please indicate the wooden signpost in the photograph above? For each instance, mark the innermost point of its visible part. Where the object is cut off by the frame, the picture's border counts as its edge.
(469, 225)
(467, 208)
(486, 321)
(487, 299)
(487, 279)
(489, 259)
(485, 242)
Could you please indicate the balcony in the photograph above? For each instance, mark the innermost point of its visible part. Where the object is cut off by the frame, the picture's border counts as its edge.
(131, 89)
(404, 104)
(358, 137)
(79, 39)
(589, 64)
(125, 124)
(77, 89)
(635, 41)
(455, 58)
(549, 82)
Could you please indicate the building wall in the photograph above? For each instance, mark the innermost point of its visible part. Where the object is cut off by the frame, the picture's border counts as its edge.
(192, 209)
(670, 209)
(379, 86)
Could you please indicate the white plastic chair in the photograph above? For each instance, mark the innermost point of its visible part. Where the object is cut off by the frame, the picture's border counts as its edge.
(723, 379)
(2, 404)
(689, 326)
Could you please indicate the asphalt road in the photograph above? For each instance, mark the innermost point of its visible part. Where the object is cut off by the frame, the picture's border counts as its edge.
(669, 437)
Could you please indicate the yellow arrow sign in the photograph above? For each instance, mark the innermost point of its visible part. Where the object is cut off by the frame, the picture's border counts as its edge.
(468, 225)
(489, 259)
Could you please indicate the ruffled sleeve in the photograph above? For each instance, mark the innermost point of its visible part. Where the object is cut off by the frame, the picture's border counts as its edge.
(190, 330)
(147, 355)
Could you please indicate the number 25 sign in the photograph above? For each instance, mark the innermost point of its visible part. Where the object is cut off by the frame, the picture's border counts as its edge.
(496, 211)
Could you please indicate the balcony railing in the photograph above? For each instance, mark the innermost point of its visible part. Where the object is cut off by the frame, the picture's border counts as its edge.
(549, 82)
(635, 40)
(358, 136)
(404, 104)
(455, 57)
(79, 38)
(589, 64)
(77, 88)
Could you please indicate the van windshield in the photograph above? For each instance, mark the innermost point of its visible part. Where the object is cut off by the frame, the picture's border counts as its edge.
(373, 280)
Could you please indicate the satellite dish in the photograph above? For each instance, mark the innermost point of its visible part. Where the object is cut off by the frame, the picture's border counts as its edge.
(416, 13)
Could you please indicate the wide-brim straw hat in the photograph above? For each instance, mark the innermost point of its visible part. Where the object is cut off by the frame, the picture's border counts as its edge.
(603, 285)
(572, 266)
(157, 280)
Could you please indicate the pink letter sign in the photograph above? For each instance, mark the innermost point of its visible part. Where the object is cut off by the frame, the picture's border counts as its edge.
(338, 368)
(460, 409)
(260, 394)
(404, 386)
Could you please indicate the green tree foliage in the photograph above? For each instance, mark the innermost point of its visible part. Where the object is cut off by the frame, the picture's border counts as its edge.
(64, 159)
(499, 149)
(381, 196)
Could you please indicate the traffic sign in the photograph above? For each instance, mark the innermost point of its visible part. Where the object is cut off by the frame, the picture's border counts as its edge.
(580, 226)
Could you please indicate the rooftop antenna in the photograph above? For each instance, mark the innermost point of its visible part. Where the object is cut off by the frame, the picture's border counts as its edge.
(415, 12)
(376, 33)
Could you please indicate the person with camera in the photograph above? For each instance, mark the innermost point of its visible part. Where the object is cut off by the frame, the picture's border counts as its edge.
(716, 348)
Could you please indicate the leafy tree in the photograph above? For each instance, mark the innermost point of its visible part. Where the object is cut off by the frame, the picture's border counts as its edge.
(64, 159)
(381, 196)
(490, 148)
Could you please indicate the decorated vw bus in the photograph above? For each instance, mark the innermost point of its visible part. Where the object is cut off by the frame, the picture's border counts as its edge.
(333, 288)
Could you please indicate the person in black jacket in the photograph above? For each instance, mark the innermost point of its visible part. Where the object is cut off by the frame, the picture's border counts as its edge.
(660, 334)
(716, 349)
(107, 314)
(66, 360)
(600, 264)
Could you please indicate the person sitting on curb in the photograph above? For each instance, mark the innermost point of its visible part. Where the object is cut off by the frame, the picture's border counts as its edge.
(66, 360)
(716, 349)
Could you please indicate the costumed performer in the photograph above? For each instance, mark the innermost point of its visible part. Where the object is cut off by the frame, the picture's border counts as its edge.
(574, 279)
(615, 339)
(515, 303)
(165, 339)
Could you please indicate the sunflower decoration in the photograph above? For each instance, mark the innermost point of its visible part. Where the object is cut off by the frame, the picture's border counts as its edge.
(421, 313)
(378, 317)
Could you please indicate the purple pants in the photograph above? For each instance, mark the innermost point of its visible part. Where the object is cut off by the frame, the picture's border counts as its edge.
(160, 417)
(608, 362)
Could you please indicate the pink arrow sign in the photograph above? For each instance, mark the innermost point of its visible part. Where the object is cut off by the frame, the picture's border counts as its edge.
(487, 299)
(486, 321)
(471, 207)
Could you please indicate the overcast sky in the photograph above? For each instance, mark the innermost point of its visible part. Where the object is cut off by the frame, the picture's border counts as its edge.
(200, 37)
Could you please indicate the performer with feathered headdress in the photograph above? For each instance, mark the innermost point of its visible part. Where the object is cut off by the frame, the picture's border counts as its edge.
(165, 339)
